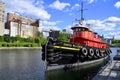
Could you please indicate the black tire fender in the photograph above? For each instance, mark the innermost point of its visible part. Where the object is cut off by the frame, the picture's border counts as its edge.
(107, 52)
(91, 52)
(97, 53)
(43, 48)
(84, 51)
(43, 56)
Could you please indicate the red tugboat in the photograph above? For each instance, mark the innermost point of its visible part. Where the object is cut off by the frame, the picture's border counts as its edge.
(85, 49)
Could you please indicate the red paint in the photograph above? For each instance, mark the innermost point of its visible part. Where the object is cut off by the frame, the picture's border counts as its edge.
(83, 35)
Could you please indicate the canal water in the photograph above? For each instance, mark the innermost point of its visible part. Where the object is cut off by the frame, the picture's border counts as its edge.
(27, 65)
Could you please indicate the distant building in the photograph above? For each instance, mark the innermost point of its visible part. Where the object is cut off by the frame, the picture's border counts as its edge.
(2, 11)
(64, 30)
(106, 40)
(39, 21)
(19, 25)
(109, 40)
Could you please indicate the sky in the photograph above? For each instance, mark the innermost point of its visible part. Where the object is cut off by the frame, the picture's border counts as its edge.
(103, 16)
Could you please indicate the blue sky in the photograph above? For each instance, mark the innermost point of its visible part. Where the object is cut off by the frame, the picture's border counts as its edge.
(102, 15)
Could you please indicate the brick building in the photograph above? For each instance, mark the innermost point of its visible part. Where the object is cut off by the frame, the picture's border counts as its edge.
(19, 25)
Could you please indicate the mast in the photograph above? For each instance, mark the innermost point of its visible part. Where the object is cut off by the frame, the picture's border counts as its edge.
(82, 10)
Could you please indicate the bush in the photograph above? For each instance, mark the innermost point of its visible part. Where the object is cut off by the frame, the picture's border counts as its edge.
(7, 41)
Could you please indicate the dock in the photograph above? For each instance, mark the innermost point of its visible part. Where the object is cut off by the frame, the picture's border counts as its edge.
(111, 71)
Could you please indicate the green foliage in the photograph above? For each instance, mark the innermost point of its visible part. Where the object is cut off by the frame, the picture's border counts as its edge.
(7, 38)
(7, 41)
(18, 38)
(116, 43)
(63, 37)
(37, 40)
(39, 34)
(1, 38)
(43, 40)
(40, 39)
(18, 44)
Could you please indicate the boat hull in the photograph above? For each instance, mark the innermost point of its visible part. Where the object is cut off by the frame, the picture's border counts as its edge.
(79, 65)
(77, 71)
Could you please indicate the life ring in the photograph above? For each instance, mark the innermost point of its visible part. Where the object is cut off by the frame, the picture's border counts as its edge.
(84, 51)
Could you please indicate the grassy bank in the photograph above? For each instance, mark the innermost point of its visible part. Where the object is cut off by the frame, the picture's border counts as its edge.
(18, 48)
(4, 44)
(116, 45)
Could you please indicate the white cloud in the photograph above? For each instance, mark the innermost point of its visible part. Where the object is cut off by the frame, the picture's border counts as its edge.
(117, 4)
(105, 25)
(112, 20)
(47, 25)
(73, 9)
(50, 28)
(90, 1)
(76, 5)
(51, 23)
(115, 34)
(59, 5)
(68, 29)
(33, 8)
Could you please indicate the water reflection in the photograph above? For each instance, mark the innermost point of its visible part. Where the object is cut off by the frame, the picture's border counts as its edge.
(21, 65)
(85, 74)
(27, 65)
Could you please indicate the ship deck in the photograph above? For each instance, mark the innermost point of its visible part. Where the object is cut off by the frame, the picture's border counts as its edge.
(110, 72)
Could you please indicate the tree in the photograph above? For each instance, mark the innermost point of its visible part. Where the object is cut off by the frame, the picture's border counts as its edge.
(63, 37)
(40, 39)
(7, 38)
(115, 41)
(1, 38)
(39, 34)
(18, 38)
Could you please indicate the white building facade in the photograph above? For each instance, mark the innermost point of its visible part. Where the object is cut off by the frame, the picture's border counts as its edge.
(22, 26)
(23, 30)
(2, 11)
